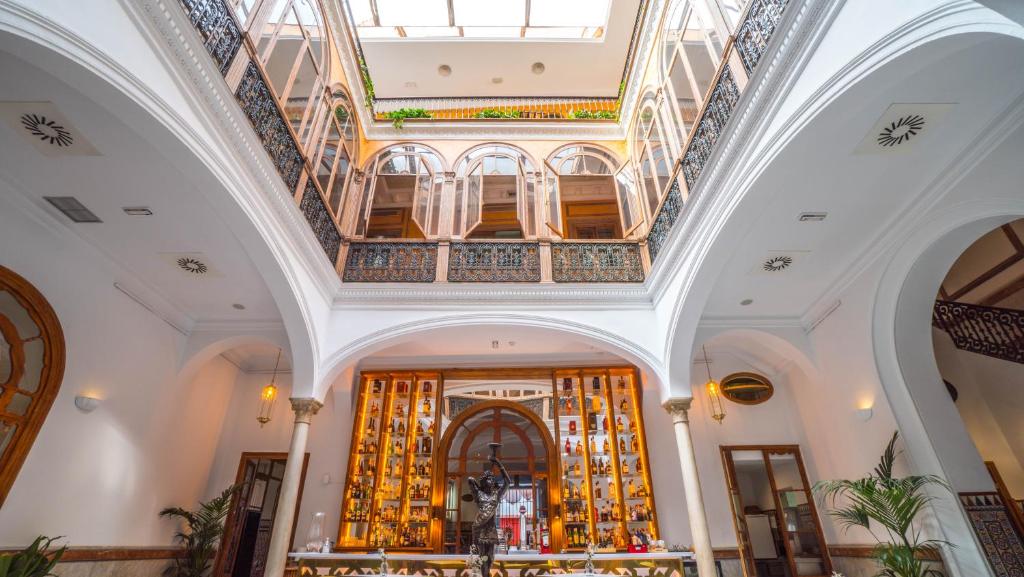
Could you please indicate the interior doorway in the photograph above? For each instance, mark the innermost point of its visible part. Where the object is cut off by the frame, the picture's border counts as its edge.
(528, 454)
(777, 525)
(247, 529)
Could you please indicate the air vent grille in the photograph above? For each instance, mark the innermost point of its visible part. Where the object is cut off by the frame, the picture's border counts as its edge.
(72, 208)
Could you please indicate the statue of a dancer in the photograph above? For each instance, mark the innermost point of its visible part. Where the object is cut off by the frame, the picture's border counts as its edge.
(487, 493)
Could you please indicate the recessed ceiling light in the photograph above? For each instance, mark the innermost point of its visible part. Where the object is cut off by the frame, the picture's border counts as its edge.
(497, 80)
(137, 210)
(444, 70)
(238, 306)
(812, 216)
(538, 68)
(747, 302)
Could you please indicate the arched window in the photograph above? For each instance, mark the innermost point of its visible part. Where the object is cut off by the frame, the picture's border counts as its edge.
(692, 47)
(337, 147)
(588, 195)
(653, 157)
(495, 194)
(401, 195)
(31, 369)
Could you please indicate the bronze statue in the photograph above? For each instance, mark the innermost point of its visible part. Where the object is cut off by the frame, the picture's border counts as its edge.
(487, 493)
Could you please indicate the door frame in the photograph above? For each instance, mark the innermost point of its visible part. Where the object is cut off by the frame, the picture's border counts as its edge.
(229, 525)
(766, 451)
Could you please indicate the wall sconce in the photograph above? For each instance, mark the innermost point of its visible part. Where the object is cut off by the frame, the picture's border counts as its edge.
(268, 396)
(86, 404)
(714, 392)
(865, 413)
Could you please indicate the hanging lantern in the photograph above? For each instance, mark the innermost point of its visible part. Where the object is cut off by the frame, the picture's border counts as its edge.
(268, 395)
(714, 392)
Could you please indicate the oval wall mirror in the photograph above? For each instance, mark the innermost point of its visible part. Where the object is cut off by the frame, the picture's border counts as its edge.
(747, 388)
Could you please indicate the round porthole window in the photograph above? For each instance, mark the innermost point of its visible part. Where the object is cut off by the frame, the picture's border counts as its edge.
(747, 388)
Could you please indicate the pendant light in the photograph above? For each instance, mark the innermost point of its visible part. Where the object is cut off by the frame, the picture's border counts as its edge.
(714, 392)
(269, 395)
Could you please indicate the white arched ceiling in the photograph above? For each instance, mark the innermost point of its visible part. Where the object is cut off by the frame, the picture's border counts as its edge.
(191, 139)
(867, 195)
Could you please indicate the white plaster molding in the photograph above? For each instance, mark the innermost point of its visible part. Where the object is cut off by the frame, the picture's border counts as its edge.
(500, 295)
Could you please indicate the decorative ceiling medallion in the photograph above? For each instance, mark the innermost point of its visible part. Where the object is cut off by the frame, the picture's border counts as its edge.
(900, 131)
(46, 129)
(902, 127)
(777, 263)
(189, 264)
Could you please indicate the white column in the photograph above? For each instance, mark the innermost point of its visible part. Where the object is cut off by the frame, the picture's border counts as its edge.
(280, 537)
(678, 408)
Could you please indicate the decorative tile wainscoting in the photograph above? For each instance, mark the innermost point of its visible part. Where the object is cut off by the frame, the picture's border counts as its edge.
(129, 568)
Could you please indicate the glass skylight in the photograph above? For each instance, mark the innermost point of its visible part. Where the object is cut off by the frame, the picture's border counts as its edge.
(488, 19)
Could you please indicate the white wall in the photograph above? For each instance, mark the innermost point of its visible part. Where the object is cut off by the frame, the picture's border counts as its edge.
(329, 436)
(101, 478)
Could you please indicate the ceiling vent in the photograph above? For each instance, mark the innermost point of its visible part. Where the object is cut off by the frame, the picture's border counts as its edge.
(777, 261)
(191, 264)
(902, 126)
(49, 131)
(72, 208)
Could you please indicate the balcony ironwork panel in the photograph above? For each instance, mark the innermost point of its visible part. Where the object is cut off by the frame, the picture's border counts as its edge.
(596, 262)
(391, 261)
(494, 262)
(757, 29)
(321, 221)
(712, 122)
(662, 227)
(215, 24)
(991, 331)
(259, 105)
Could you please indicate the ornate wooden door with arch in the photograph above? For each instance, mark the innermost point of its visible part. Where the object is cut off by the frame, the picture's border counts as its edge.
(31, 370)
(527, 452)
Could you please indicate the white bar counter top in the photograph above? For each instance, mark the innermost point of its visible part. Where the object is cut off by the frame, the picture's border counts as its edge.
(530, 556)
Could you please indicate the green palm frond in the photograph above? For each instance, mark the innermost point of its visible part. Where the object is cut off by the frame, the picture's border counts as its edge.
(204, 528)
(883, 500)
(36, 560)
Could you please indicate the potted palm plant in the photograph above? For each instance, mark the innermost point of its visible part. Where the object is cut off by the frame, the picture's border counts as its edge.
(888, 507)
(36, 560)
(205, 528)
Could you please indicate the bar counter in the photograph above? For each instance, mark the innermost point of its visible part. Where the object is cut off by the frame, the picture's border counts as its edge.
(666, 564)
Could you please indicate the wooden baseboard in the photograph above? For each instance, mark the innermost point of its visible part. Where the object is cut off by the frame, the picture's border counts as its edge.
(80, 554)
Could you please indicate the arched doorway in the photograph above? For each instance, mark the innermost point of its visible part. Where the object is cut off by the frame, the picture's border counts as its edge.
(529, 455)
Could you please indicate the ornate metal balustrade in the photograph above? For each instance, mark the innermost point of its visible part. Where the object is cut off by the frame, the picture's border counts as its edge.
(662, 227)
(391, 261)
(321, 221)
(260, 106)
(757, 29)
(214, 22)
(505, 108)
(991, 331)
(712, 122)
(596, 262)
(494, 262)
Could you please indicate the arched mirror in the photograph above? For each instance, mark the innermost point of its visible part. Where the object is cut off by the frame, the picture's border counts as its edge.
(401, 194)
(588, 195)
(495, 194)
(747, 388)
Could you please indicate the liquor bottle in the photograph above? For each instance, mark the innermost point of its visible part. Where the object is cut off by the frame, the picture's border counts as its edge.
(428, 445)
(359, 468)
(568, 447)
(596, 383)
(403, 387)
(638, 466)
(632, 426)
(398, 447)
(391, 426)
(622, 383)
(387, 469)
(419, 427)
(604, 423)
(593, 445)
(579, 448)
(567, 384)
(401, 410)
(572, 427)
(631, 489)
(377, 385)
(576, 468)
(606, 448)
(427, 386)
(595, 404)
(568, 405)
(618, 424)
(600, 467)
(401, 427)
(426, 407)
(430, 429)
(597, 491)
(374, 409)
(622, 444)
(371, 426)
(593, 466)
(625, 467)
(634, 444)
(623, 406)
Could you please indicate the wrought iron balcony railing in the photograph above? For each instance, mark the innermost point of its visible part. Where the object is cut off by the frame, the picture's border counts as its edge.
(991, 331)
(739, 60)
(494, 261)
(504, 108)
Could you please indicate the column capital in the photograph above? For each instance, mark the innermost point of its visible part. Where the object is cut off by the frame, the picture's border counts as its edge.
(678, 407)
(305, 409)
